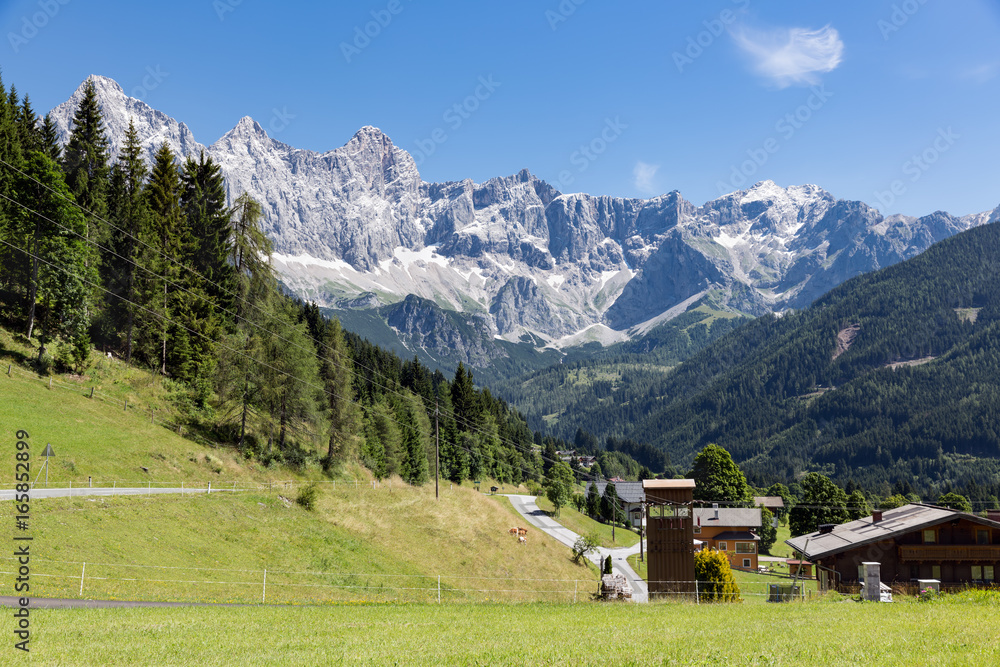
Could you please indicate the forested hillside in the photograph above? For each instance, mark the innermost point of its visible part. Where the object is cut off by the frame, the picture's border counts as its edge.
(891, 379)
(149, 263)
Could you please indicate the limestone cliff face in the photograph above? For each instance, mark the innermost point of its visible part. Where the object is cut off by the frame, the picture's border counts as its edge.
(358, 226)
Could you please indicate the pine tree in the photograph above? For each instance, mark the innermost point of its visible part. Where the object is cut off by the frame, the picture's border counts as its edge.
(468, 412)
(204, 204)
(85, 162)
(60, 280)
(50, 138)
(336, 372)
(129, 213)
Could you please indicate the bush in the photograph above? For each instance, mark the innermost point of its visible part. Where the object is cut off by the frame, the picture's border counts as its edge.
(715, 577)
(307, 496)
(607, 566)
(584, 545)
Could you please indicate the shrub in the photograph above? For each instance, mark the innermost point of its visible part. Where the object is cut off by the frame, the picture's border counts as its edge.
(607, 565)
(307, 496)
(584, 545)
(715, 577)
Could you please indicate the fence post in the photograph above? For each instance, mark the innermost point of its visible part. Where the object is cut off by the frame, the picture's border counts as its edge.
(8, 369)
(83, 572)
(439, 589)
(149, 488)
(697, 595)
(50, 382)
(90, 481)
(263, 593)
(126, 405)
(70, 488)
(209, 487)
(91, 392)
(114, 484)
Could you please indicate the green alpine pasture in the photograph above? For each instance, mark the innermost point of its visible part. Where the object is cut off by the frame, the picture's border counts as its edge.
(953, 632)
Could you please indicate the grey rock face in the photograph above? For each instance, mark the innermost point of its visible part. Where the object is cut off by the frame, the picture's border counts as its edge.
(358, 226)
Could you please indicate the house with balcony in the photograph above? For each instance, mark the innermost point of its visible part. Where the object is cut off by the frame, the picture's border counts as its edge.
(730, 531)
(912, 542)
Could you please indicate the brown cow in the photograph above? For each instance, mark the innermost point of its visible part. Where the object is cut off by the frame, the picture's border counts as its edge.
(522, 539)
(513, 531)
(522, 531)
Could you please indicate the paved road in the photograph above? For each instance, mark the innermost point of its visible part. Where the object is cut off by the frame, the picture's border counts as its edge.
(527, 507)
(104, 491)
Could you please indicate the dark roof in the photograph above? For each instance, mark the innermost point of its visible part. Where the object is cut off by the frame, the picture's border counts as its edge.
(735, 535)
(629, 492)
(899, 521)
(736, 517)
(769, 501)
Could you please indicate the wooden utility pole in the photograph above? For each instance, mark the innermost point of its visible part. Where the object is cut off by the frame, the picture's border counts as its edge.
(437, 452)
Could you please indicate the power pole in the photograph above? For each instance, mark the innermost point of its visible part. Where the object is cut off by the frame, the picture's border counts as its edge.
(437, 452)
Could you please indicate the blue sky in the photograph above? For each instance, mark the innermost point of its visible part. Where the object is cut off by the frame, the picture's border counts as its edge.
(891, 102)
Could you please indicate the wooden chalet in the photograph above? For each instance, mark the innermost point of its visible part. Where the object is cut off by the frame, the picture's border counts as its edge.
(911, 543)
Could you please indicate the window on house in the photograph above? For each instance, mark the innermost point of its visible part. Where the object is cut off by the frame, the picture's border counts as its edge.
(982, 536)
(723, 546)
(936, 572)
(746, 562)
(988, 572)
(746, 548)
(930, 537)
(977, 572)
(697, 530)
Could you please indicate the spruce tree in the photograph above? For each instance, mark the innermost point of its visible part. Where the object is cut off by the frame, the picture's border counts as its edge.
(49, 135)
(85, 162)
(204, 204)
(337, 373)
(129, 213)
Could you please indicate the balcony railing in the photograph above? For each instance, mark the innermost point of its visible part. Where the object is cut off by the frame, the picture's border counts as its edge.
(949, 552)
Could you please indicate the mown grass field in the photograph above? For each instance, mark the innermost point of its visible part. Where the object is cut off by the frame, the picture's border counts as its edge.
(959, 632)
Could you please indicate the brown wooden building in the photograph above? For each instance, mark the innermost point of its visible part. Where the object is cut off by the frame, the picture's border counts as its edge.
(912, 542)
(670, 535)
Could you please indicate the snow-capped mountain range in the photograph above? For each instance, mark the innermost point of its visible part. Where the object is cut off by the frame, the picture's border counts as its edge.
(357, 227)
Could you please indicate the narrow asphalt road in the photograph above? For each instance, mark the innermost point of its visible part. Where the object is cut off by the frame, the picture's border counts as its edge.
(526, 506)
(104, 491)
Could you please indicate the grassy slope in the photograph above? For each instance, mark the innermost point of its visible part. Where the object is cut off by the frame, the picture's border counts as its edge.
(356, 545)
(956, 633)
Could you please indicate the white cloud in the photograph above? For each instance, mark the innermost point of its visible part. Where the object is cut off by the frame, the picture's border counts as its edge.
(791, 56)
(982, 73)
(643, 174)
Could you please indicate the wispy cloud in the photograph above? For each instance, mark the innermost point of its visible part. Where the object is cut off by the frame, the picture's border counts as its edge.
(791, 56)
(982, 73)
(643, 174)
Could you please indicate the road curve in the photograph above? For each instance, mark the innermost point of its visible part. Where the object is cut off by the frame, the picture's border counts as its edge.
(526, 506)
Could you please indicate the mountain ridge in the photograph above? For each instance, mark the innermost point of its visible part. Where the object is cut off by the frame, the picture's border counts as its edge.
(358, 225)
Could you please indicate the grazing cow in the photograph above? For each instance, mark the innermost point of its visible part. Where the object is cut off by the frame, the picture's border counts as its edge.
(522, 531)
(522, 539)
(513, 531)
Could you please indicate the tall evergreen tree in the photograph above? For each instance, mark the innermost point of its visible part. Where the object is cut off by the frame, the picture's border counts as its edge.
(49, 136)
(85, 162)
(336, 372)
(60, 280)
(204, 204)
(129, 213)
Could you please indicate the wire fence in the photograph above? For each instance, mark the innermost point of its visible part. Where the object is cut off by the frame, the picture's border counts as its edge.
(109, 581)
